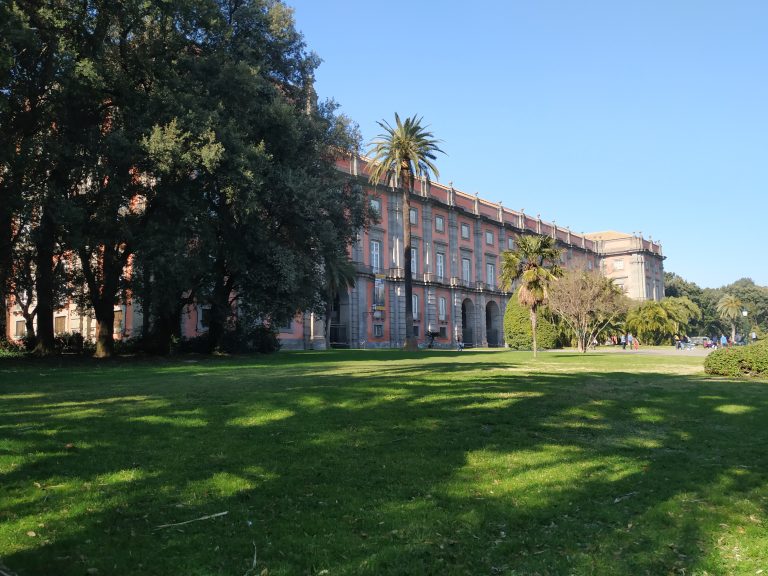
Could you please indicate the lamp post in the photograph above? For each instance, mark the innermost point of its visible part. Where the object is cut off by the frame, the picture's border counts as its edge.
(744, 314)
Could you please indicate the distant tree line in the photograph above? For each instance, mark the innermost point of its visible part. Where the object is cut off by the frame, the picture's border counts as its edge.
(722, 309)
(168, 152)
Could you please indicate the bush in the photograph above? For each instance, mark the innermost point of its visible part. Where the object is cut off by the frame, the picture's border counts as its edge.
(259, 338)
(69, 342)
(11, 349)
(750, 360)
(517, 328)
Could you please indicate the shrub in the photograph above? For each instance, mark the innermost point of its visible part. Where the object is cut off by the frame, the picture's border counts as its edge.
(258, 338)
(69, 342)
(517, 328)
(11, 349)
(750, 360)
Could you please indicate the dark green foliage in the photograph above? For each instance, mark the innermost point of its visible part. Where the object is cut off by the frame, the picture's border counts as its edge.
(182, 139)
(751, 360)
(260, 338)
(70, 343)
(517, 327)
(10, 349)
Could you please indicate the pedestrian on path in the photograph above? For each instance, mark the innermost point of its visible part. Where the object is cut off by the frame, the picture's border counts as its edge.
(630, 340)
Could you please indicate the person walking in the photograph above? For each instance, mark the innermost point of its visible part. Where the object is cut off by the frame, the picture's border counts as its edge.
(630, 340)
(637, 343)
(723, 341)
(623, 341)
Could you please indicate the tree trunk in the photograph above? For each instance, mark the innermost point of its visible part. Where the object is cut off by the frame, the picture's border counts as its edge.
(105, 322)
(220, 311)
(146, 303)
(533, 329)
(328, 313)
(6, 258)
(44, 285)
(102, 290)
(411, 342)
(733, 333)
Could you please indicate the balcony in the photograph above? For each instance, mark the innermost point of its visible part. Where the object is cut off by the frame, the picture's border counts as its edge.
(396, 274)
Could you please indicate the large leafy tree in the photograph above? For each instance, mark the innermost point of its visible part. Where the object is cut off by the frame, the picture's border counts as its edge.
(535, 264)
(399, 155)
(185, 155)
(730, 308)
(588, 303)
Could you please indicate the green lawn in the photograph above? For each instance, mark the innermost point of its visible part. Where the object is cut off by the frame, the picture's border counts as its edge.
(367, 462)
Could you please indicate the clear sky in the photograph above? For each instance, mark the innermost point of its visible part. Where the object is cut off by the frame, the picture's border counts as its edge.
(646, 116)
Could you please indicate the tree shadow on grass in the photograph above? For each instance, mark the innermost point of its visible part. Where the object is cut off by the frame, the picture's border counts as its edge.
(384, 471)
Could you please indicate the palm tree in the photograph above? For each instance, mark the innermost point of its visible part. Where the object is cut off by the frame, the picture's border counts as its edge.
(651, 322)
(729, 307)
(535, 262)
(403, 153)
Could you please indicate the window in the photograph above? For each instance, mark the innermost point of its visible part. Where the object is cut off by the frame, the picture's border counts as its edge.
(589, 265)
(510, 243)
(287, 327)
(376, 205)
(415, 305)
(439, 223)
(376, 255)
(378, 292)
(203, 317)
(378, 330)
(465, 230)
(21, 329)
(443, 332)
(489, 237)
(415, 330)
(414, 261)
(414, 216)
(466, 269)
(117, 326)
(59, 324)
(618, 264)
(490, 272)
(441, 309)
(440, 265)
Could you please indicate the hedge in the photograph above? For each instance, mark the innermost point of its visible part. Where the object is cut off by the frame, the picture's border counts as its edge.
(517, 328)
(750, 360)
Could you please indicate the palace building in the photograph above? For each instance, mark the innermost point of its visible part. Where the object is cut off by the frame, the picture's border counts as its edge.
(457, 241)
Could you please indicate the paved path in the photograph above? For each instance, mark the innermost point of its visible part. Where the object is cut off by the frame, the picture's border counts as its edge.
(653, 350)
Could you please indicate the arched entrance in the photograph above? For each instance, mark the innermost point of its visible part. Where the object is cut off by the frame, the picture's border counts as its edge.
(493, 324)
(468, 322)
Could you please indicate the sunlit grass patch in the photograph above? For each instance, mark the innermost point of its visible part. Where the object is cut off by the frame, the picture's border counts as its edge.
(383, 462)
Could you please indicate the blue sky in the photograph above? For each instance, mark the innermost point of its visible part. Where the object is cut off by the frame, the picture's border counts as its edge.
(646, 116)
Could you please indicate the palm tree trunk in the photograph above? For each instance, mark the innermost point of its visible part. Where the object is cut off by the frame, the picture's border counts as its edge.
(733, 333)
(533, 329)
(411, 342)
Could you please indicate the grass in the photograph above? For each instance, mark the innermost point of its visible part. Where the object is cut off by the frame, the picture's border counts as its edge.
(381, 462)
